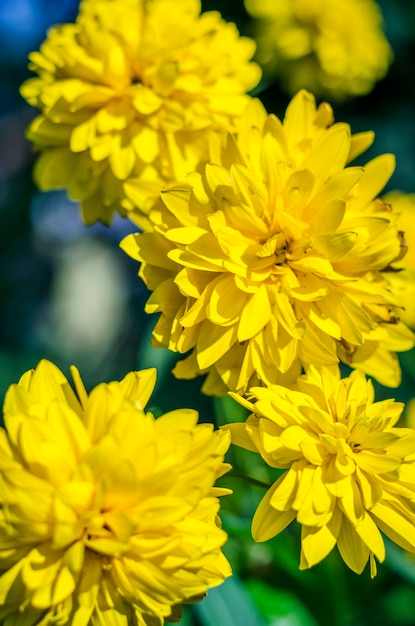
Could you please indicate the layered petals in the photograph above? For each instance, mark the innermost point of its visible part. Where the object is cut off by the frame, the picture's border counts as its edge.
(127, 97)
(350, 469)
(309, 43)
(107, 515)
(402, 279)
(277, 255)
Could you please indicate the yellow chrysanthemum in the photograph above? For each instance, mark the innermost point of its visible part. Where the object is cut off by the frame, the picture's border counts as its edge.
(350, 470)
(130, 91)
(402, 279)
(273, 259)
(332, 47)
(107, 515)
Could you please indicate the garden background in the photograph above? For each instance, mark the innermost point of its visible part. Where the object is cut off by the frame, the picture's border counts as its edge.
(69, 294)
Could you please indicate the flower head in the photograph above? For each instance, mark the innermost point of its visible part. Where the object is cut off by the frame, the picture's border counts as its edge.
(332, 47)
(130, 92)
(274, 258)
(402, 278)
(107, 515)
(350, 470)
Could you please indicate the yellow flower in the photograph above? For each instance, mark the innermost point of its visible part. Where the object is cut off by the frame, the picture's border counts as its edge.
(130, 91)
(332, 47)
(350, 470)
(402, 278)
(273, 259)
(107, 515)
(410, 413)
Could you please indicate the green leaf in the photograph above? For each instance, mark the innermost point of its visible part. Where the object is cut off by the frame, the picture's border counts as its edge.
(228, 605)
(400, 561)
(279, 606)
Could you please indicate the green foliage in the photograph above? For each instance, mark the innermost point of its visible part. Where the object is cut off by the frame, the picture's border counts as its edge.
(231, 604)
(279, 606)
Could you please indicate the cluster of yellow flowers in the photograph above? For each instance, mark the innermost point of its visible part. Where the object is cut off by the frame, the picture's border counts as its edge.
(270, 261)
(336, 48)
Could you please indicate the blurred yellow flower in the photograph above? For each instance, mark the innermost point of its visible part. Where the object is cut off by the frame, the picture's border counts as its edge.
(334, 48)
(130, 91)
(410, 413)
(107, 515)
(273, 259)
(403, 280)
(350, 470)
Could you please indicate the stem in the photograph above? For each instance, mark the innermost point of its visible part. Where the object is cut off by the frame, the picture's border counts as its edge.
(249, 479)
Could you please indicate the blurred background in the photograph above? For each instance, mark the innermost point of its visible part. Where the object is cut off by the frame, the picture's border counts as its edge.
(69, 294)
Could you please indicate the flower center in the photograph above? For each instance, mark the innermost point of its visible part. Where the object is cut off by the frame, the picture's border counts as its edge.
(298, 248)
(275, 246)
(96, 528)
(343, 432)
(283, 250)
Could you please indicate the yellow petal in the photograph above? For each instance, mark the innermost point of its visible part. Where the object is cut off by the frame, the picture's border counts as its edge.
(138, 386)
(83, 136)
(240, 437)
(360, 142)
(317, 543)
(352, 549)
(396, 521)
(255, 314)
(375, 176)
(329, 155)
(334, 246)
(369, 533)
(226, 302)
(267, 522)
(146, 143)
(376, 463)
(122, 160)
(287, 317)
(214, 341)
